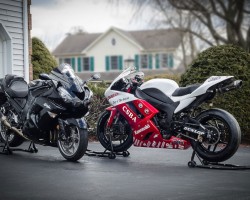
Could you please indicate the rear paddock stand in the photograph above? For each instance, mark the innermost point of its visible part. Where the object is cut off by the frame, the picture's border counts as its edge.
(107, 153)
(212, 165)
(7, 150)
(111, 154)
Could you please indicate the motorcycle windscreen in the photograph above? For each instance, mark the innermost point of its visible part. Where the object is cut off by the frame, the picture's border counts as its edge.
(75, 84)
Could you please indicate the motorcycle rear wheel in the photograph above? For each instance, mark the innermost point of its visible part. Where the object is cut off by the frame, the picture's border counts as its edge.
(226, 136)
(73, 147)
(120, 141)
(14, 139)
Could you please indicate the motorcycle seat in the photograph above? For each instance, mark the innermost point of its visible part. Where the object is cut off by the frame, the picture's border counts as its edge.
(15, 86)
(181, 91)
(153, 95)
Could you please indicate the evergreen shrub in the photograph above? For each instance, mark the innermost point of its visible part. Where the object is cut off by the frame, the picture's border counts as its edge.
(42, 60)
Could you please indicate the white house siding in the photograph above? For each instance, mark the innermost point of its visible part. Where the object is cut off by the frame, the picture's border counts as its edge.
(105, 48)
(178, 54)
(13, 18)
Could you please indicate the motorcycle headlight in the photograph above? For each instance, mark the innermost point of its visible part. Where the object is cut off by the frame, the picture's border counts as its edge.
(67, 97)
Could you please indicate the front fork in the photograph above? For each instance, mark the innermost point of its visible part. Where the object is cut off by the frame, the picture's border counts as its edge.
(80, 123)
(113, 115)
(113, 118)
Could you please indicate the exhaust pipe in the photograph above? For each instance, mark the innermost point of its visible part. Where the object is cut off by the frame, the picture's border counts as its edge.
(7, 124)
(234, 85)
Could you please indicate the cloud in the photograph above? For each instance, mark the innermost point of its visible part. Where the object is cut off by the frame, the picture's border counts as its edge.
(52, 19)
(44, 3)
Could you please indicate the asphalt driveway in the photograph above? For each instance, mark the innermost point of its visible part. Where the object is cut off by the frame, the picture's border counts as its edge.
(146, 174)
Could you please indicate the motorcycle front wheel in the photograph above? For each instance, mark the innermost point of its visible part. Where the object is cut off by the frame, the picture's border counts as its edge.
(119, 135)
(225, 137)
(74, 145)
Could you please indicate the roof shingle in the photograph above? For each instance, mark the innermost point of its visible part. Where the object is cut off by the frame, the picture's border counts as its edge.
(148, 39)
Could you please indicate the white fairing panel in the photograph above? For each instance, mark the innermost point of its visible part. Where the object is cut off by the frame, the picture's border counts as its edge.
(208, 83)
(167, 86)
(184, 103)
(117, 97)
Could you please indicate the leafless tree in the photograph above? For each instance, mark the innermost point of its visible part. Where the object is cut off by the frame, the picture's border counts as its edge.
(212, 21)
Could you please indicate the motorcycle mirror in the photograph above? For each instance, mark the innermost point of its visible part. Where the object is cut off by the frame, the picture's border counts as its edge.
(44, 76)
(96, 76)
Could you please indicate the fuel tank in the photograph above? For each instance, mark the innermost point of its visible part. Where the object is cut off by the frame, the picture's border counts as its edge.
(166, 86)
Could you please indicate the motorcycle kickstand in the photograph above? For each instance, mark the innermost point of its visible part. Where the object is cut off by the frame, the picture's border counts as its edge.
(32, 148)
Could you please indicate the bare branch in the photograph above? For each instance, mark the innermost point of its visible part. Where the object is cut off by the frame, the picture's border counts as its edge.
(207, 15)
(222, 5)
(198, 36)
(246, 11)
(216, 12)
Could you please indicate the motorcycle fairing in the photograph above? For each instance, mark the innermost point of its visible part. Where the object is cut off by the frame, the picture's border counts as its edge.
(81, 122)
(117, 97)
(162, 104)
(185, 96)
(145, 132)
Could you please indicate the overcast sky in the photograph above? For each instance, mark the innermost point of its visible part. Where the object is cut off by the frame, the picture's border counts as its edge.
(52, 19)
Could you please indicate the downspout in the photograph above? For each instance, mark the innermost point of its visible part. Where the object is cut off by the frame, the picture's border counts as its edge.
(26, 41)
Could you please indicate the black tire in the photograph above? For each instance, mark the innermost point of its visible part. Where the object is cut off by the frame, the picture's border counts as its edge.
(80, 138)
(14, 139)
(227, 135)
(123, 145)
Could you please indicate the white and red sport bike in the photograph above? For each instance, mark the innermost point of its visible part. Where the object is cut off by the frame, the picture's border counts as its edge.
(160, 114)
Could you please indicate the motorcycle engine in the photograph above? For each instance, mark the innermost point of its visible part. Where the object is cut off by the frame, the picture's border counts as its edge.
(164, 125)
(9, 112)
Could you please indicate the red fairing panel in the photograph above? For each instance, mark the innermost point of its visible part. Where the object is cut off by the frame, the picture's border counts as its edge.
(145, 133)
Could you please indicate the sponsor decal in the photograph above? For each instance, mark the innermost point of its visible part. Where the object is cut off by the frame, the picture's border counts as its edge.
(154, 144)
(142, 129)
(129, 113)
(193, 130)
(213, 78)
(120, 100)
(112, 95)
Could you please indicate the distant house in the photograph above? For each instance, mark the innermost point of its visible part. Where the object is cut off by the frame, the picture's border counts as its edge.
(15, 43)
(152, 51)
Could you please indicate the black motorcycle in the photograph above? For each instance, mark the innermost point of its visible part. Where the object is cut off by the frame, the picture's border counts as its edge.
(48, 111)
